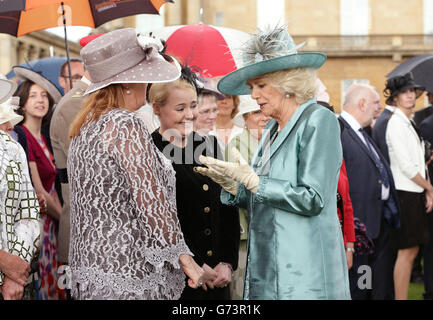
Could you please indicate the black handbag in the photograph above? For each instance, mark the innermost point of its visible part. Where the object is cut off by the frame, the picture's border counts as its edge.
(363, 243)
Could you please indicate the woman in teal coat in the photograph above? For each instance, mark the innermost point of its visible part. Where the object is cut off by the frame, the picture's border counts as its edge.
(295, 246)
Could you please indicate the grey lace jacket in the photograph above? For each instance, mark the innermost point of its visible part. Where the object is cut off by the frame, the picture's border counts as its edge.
(125, 235)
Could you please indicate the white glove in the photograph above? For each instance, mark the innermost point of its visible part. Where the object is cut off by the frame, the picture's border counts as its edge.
(239, 170)
(228, 184)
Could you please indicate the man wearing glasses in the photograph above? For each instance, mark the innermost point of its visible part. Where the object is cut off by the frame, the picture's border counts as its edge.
(77, 72)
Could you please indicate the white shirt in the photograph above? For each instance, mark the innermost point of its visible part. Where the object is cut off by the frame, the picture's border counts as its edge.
(354, 124)
(406, 152)
(149, 118)
(233, 133)
(86, 81)
(390, 108)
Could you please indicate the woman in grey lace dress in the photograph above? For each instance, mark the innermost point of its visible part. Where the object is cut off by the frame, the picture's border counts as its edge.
(126, 241)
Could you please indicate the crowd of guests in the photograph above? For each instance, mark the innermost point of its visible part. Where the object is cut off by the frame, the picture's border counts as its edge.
(148, 181)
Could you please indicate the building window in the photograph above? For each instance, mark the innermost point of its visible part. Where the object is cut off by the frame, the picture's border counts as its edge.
(354, 17)
(346, 83)
(149, 22)
(428, 16)
(270, 15)
(218, 19)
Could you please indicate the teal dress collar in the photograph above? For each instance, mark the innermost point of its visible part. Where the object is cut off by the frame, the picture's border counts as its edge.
(272, 139)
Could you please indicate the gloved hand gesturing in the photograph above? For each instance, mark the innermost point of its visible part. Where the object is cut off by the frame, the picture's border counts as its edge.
(227, 183)
(238, 171)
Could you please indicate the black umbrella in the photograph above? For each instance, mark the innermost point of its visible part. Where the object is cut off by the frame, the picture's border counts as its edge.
(421, 68)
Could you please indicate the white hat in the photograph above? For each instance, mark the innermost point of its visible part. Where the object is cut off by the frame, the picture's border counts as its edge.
(246, 105)
(7, 88)
(7, 112)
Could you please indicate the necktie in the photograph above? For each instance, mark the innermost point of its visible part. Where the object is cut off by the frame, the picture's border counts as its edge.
(375, 156)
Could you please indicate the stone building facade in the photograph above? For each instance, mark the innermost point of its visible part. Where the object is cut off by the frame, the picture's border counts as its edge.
(37, 45)
(363, 39)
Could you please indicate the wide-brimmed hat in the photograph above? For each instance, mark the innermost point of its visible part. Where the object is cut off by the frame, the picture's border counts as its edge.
(7, 111)
(210, 86)
(267, 51)
(123, 56)
(399, 84)
(7, 88)
(246, 105)
(28, 73)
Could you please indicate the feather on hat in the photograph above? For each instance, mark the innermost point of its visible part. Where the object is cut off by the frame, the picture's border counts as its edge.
(267, 51)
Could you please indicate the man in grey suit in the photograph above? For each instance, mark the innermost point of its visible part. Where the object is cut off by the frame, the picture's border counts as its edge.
(64, 114)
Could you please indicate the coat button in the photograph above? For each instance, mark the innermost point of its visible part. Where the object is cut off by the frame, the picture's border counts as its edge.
(206, 209)
(207, 231)
(209, 253)
(205, 187)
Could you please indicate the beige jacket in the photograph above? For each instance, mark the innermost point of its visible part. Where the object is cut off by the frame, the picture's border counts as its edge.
(64, 114)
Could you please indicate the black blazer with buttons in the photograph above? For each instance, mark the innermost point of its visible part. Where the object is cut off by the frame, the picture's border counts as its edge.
(211, 229)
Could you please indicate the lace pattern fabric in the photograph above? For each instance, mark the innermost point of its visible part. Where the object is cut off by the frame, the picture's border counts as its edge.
(125, 236)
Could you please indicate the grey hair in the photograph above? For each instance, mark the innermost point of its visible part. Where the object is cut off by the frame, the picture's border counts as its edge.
(298, 81)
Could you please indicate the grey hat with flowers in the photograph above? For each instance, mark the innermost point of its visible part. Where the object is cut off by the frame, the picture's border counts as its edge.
(123, 56)
(267, 51)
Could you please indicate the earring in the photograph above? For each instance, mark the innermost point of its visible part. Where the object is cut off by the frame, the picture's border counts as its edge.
(287, 95)
(128, 91)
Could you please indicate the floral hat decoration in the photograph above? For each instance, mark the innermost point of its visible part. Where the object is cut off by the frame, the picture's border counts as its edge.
(267, 51)
(125, 56)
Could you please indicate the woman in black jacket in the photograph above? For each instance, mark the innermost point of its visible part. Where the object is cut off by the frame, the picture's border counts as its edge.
(211, 229)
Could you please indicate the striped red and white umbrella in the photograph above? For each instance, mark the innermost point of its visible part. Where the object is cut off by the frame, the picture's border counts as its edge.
(214, 50)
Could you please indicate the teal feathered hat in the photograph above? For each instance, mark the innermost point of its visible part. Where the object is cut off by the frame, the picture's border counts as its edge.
(268, 51)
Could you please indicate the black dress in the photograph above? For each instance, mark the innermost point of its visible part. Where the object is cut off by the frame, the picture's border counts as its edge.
(211, 229)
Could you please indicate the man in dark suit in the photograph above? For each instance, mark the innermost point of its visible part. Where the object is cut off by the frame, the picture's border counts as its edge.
(420, 115)
(372, 193)
(426, 129)
(379, 130)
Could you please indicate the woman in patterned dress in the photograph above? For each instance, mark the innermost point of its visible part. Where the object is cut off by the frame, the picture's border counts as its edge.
(36, 104)
(126, 241)
(19, 208)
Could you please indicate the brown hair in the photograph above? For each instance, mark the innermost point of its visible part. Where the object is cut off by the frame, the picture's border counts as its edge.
(96, 104)
(65, 67)
(236, 102)
(23, 92)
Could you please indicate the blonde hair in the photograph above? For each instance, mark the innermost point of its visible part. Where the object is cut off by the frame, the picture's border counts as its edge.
(96, 104)
(302, 82)
(159, 92)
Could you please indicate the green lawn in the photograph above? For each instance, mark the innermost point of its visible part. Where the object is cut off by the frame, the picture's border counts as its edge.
(416, 291)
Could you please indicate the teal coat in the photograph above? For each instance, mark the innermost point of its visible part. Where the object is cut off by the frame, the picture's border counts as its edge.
(295, 243)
